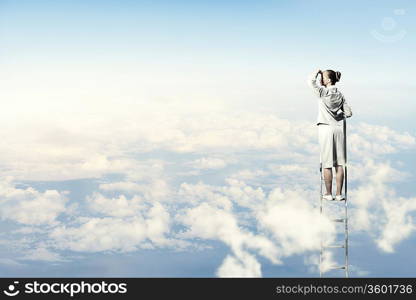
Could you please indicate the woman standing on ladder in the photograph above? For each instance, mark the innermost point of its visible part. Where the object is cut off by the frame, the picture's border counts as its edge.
(332, 110)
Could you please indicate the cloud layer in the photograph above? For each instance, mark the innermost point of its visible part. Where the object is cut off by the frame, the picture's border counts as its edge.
(249, 180)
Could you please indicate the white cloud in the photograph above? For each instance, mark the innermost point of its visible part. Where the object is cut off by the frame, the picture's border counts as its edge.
(100, 234)
(43, 254)
(200, 192)
(247, 174)
(364, 139)
(399, 223)
(116, 207)
(124, 186)
(246, 266)
(294, 221)
(378, 210)
(153, 189)
(209, 163)
(29, 206)
(209, 222)
(127, 234)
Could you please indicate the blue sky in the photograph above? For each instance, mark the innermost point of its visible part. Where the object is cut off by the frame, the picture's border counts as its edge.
(129, 125)
(244, 45)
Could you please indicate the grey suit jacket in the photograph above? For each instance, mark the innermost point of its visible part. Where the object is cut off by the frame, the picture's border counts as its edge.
(332, 106)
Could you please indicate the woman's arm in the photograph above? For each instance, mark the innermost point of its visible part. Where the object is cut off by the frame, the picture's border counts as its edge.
(346, 109)
(318, 89)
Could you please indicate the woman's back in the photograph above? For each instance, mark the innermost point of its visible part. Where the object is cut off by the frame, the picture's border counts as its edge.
(332, 106)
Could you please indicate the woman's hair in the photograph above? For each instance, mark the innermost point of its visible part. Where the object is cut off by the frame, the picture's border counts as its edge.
(332, 75)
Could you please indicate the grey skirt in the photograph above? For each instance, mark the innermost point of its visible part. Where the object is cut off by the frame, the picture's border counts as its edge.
(331, 145)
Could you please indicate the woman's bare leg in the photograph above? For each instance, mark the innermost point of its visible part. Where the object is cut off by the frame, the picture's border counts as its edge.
(328, 180)
(340, 178)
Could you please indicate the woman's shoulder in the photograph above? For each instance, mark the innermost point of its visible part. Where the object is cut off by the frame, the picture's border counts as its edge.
(335, 90)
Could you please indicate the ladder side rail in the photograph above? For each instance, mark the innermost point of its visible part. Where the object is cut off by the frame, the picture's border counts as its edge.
(346, 197)
(320, 199)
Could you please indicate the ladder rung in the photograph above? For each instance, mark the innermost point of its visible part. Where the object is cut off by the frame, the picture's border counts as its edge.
(334, 246)
(334, 268)
(334, 200)
(337, 267)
